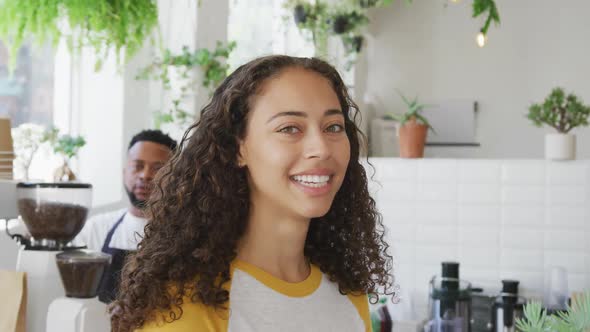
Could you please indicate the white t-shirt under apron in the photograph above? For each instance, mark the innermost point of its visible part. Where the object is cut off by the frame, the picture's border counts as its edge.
(126, 237)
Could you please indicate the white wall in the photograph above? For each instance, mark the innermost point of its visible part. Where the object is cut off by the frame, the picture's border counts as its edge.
(501, 219)
(429, 50)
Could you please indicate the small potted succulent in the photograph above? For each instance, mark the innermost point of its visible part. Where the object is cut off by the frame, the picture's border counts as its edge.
(413, 129)
(564, 113)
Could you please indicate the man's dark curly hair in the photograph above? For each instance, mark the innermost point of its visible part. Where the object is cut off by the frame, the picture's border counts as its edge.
(199, 210)
(154, 136)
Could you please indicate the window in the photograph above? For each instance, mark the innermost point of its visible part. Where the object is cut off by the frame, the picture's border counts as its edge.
(27, 94)
(263, 27)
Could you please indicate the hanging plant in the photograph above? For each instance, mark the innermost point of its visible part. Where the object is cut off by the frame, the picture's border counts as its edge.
(480, 7)
(100, 24)
(347, 19)
(213, 66)
(343, 19)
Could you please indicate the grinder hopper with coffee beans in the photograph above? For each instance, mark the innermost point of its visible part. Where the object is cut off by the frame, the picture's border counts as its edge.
(62, 279)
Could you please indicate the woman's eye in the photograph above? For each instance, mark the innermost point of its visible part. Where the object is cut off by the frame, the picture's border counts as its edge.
(335, 128)
(289, 130)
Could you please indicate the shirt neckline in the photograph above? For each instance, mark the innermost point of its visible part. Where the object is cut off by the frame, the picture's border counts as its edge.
(293, 289)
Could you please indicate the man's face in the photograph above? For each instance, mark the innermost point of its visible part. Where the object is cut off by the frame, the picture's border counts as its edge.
(144, 159)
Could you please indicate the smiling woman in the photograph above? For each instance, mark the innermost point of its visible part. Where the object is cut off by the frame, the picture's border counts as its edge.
(262, 220)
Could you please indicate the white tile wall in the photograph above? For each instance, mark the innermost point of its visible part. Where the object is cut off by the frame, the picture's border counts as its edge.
(498, 218)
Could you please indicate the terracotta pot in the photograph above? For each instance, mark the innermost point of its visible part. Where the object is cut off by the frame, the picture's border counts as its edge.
(412, 137)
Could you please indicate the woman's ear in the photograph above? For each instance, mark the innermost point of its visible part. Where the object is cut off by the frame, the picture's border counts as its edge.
(242, 154)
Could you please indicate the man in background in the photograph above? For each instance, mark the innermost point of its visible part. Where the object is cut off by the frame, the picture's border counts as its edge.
(119, 232)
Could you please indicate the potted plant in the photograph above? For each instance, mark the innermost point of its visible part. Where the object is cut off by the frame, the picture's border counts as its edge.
(412, 129)
(563, 113)
(27, 140)
(575, 319)
(67, 147)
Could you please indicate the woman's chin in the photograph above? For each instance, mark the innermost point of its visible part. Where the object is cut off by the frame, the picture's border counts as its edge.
(315, 211)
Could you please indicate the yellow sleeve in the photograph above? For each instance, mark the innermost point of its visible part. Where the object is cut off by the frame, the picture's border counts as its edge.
(361, 303)
(195, 317)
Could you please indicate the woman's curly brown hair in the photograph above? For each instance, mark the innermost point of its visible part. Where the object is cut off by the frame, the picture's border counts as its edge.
(199, 210)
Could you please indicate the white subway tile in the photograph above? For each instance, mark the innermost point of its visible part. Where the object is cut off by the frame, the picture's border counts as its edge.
(521, 259)
(499, 219)
(512, 194)
(436, 214)
(568, 217)
(374, 188)
(435, 254)
(577, 282)
(574, 262)
(425, 272)
(436, 235)
(480, 193)
(523, 172)
(522, 238)
(398, 170)
(566, 173)
(436, 192)
(565, 240)
(480, 257)
(402, 253)
(396, 212)
(437, 171)
(567, 195)
(479, 215)
(482, 237)
(523, 215)
(402, 233)
(480, 171)
(398, 191)
(486, 277)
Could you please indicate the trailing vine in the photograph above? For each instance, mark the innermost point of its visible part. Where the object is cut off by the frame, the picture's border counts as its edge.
(212, 64)
(481, 7)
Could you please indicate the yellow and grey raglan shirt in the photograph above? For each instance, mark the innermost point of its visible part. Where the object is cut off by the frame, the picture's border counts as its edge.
(260, 302)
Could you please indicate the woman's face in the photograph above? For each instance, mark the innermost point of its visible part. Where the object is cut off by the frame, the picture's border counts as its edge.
(296, 149)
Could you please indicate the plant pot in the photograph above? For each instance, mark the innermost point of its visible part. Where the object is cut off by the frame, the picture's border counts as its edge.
(367, 3)
(353, 44)
(560, 146)
(358, 43)
(412, 137)
(299, 14)
(341, 24)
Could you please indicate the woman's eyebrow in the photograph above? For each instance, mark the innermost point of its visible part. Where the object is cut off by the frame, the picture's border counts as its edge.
(303, 114)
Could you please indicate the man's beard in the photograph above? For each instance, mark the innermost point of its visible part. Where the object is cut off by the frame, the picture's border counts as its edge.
(138, 203)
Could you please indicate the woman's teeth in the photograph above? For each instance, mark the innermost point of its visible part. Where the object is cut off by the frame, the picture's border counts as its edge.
(314, 181)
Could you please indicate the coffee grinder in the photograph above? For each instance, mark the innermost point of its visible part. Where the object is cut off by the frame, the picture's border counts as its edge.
(54, 213)
(449, 302)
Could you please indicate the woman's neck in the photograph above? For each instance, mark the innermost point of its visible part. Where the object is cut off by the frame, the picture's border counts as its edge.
(275, 243)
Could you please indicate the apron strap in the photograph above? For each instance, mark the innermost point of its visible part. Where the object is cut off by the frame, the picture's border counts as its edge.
(107, 241)
(109, 284)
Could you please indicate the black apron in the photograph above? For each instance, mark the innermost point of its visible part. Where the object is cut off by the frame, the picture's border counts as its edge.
(109, 285)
